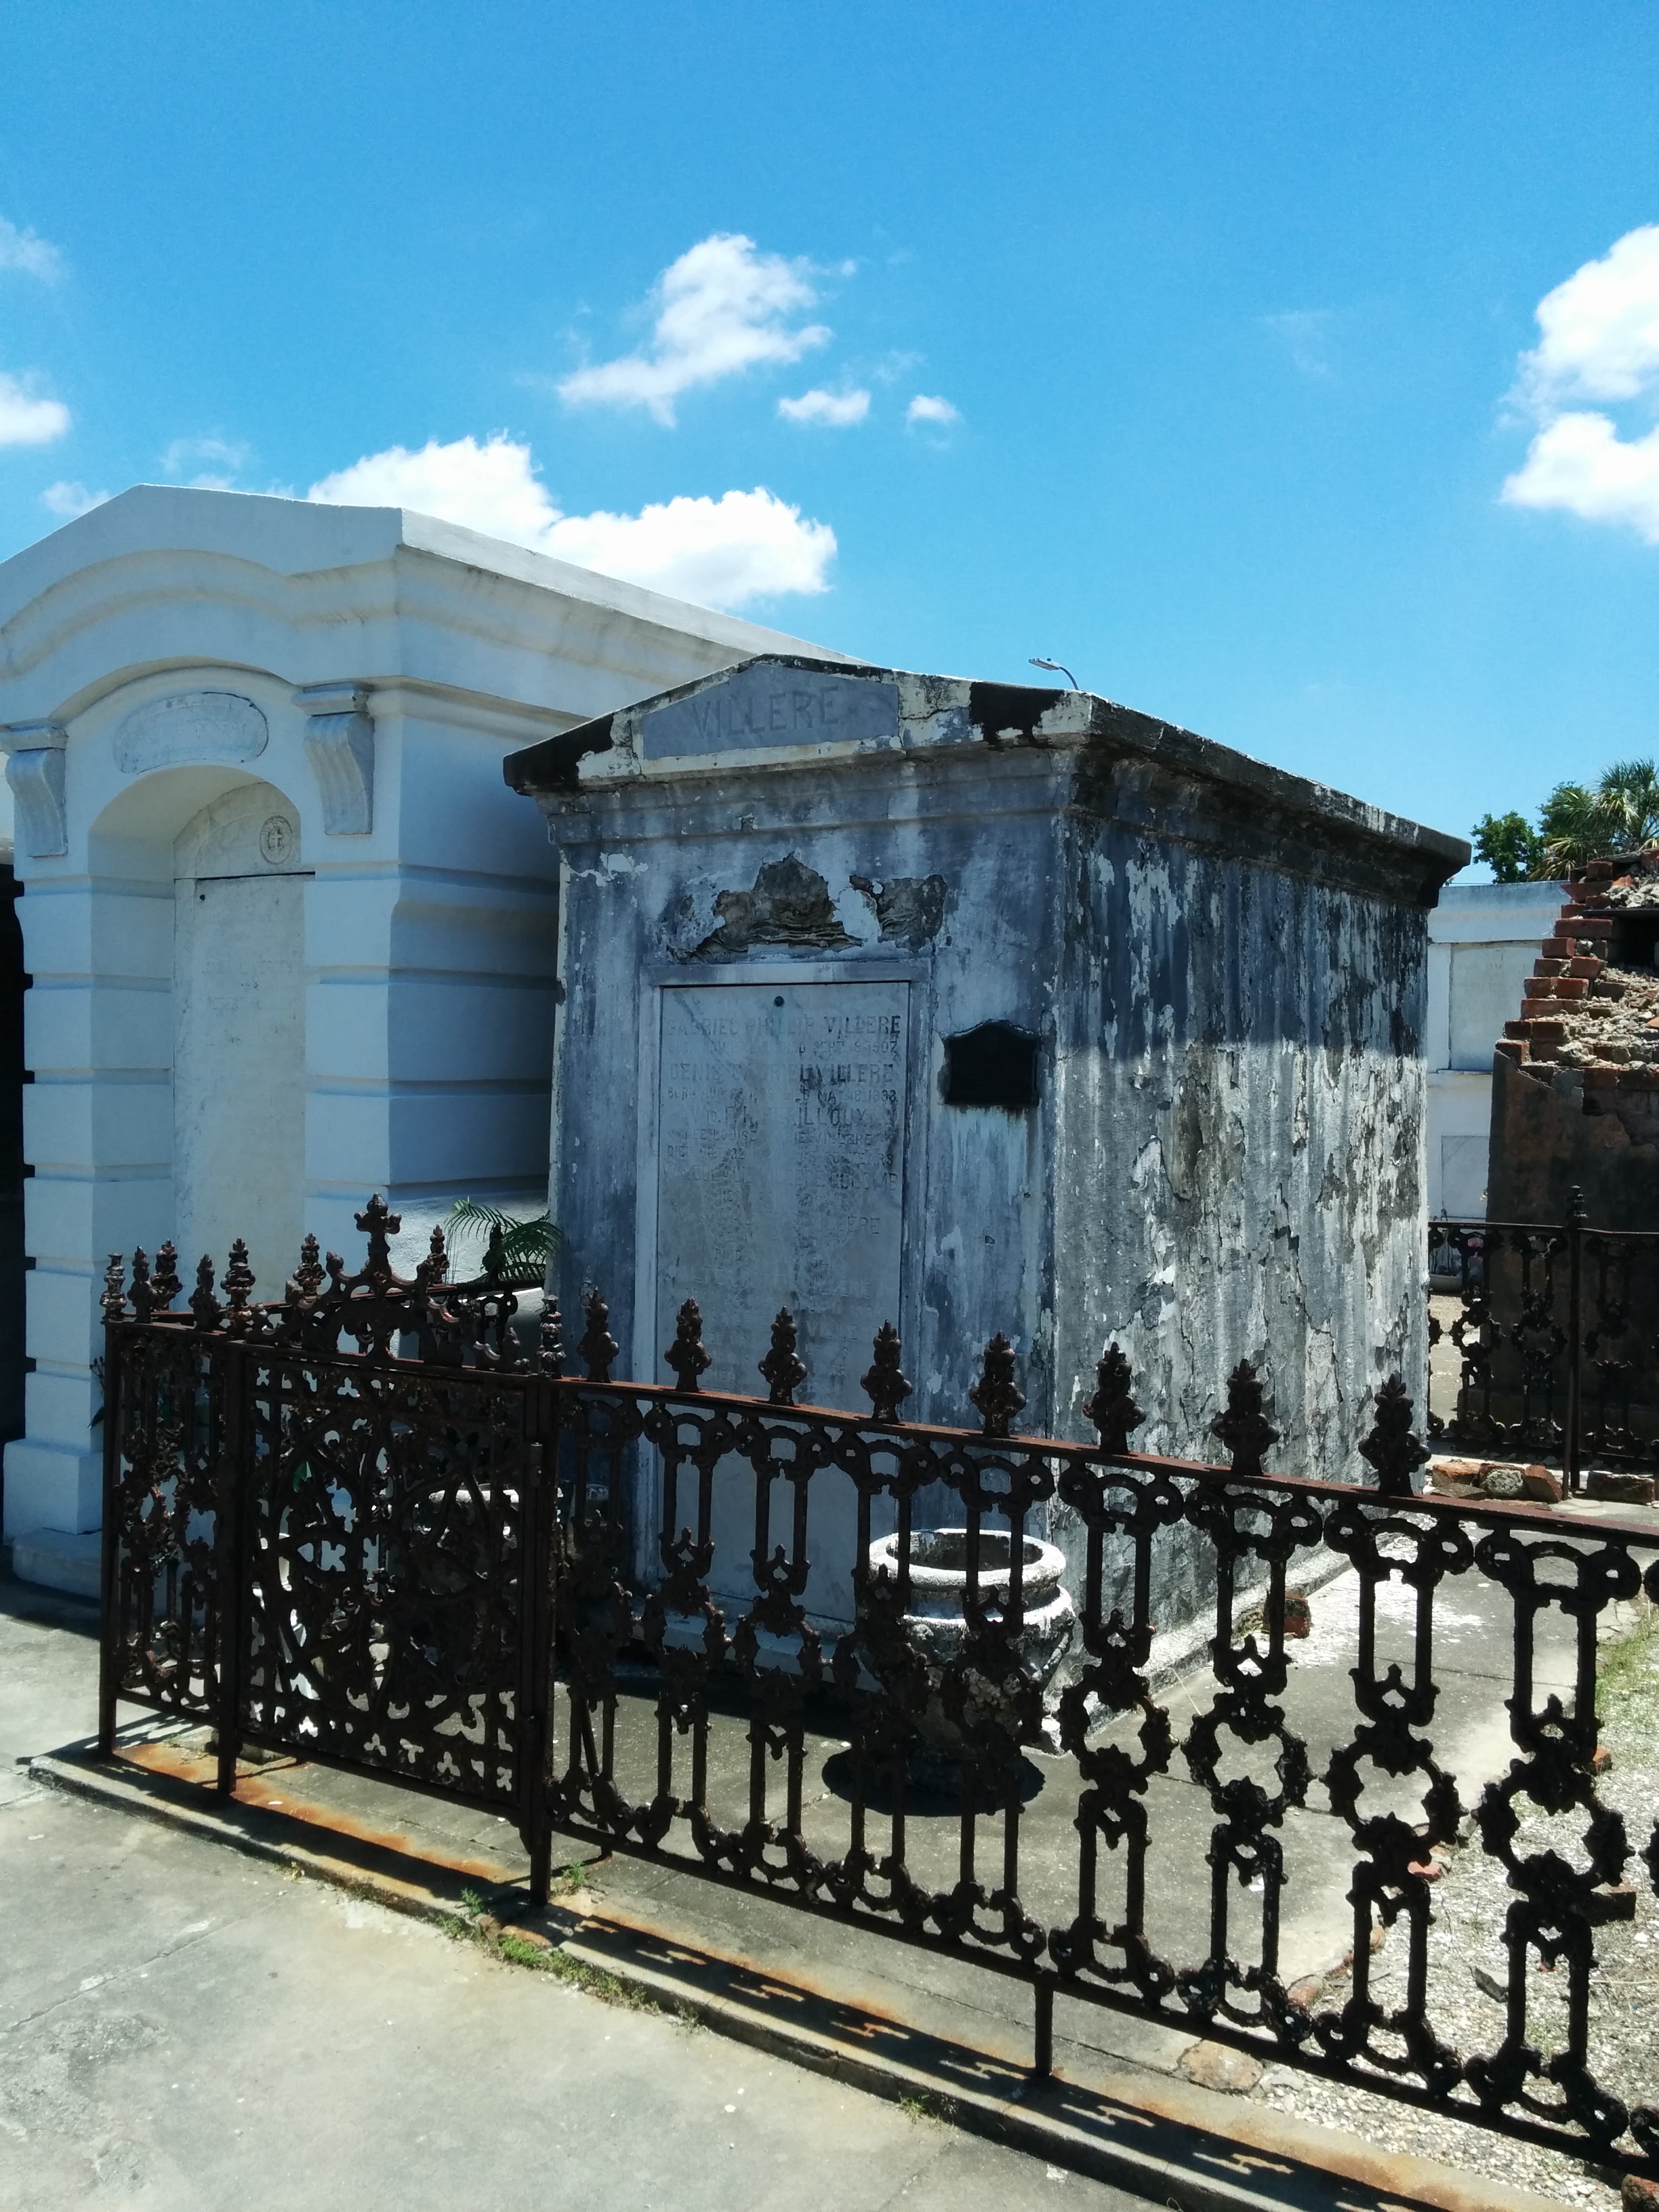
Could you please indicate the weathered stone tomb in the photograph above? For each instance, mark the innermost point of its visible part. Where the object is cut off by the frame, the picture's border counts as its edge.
(978, 1008)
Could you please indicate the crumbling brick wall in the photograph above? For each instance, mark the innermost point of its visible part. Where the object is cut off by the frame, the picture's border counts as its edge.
(1576, 1076)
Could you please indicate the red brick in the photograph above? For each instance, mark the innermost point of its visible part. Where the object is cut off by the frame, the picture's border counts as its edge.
(1570, 987)
(1601, 1078)
(1513, 1048)
(1585, 966)
(1539, 986)
(1639, 1078)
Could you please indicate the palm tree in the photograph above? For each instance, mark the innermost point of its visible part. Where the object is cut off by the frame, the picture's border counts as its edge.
(1620, 815)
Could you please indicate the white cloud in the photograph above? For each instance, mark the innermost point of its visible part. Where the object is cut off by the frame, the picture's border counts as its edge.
(721, 552)
(27, 421)
(829, 410)
(206, 463)
(22, 249)
(743, 545)
(1305, 333)
(722, 308)
(1579, 462)
(69, 499)
(939, 412)
(1601, 329)
(1600, 341)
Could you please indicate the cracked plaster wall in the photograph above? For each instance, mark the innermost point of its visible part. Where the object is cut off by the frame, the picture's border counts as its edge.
(1227, 1157)
(1240, 1162)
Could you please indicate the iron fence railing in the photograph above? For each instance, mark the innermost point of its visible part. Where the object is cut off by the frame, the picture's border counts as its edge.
(916, 1679)
(1556, 1339)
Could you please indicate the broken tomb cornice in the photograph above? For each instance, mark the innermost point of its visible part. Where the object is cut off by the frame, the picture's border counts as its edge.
(943, 716)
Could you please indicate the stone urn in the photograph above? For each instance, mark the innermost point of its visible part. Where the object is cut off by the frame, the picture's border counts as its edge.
(934, 1630)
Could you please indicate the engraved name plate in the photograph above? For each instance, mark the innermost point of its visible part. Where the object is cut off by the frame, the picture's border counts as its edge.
(190, 726)
(781, 1182)
(770, 707)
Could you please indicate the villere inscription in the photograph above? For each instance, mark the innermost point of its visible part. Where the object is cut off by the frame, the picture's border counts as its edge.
(781, 1182)
(768, 705)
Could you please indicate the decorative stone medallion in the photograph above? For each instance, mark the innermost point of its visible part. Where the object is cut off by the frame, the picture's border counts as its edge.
(277, 839)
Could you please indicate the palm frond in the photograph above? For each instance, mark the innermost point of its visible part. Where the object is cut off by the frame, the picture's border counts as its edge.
(518, 1250)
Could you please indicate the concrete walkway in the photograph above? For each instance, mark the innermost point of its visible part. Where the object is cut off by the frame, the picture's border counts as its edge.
(182, 2027)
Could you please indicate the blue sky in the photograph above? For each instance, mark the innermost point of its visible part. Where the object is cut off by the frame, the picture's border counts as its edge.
(1225, 321)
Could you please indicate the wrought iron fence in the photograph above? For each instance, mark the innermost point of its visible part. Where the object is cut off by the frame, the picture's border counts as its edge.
(906, 1676)
(1556, 1341)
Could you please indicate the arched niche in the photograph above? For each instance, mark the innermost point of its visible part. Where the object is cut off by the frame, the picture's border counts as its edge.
(199, 954)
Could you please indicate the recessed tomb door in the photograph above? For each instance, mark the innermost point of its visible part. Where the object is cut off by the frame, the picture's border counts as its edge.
(780, 1127)
(239, 1065)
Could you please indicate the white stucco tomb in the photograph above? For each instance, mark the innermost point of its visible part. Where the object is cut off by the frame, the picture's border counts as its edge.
(1483, 939)
(291, 938)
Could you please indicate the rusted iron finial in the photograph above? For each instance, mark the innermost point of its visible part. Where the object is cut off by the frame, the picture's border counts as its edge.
(1113, 1409)
(1393, 1449)
(114, 1301)
(550, 1350)
(996, 1393)
(1244, 1428)
(783, 1366)
(884, 1383)
(435, 1266)
(164, 1283)
(206, 1308)
(307, 1279)
(686, 1355)
(597, 1347)
(238, 1281)
(377, 1222)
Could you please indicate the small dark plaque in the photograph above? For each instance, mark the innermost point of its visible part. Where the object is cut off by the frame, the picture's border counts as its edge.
(995, 1065)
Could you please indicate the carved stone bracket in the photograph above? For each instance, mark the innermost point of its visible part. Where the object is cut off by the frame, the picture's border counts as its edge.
(340, 746)
(34, 769)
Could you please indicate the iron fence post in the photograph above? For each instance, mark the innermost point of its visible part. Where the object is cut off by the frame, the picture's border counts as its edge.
(232, 1568)
(1043, 1991)
(540, 1607)
(1576, 1217)
(109, 1622)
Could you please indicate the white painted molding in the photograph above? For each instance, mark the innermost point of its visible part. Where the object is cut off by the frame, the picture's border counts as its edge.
(340, 745)
(34, 769)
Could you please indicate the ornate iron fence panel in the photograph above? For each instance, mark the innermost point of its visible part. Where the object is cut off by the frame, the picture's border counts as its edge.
(385, 1560)
(933, 1683)
(325, 1524)
(1556, 1334)
(165, 1582)
(856, 1770)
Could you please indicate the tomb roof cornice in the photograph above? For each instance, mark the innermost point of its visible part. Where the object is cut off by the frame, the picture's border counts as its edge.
(165, 576)
(793, 714)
